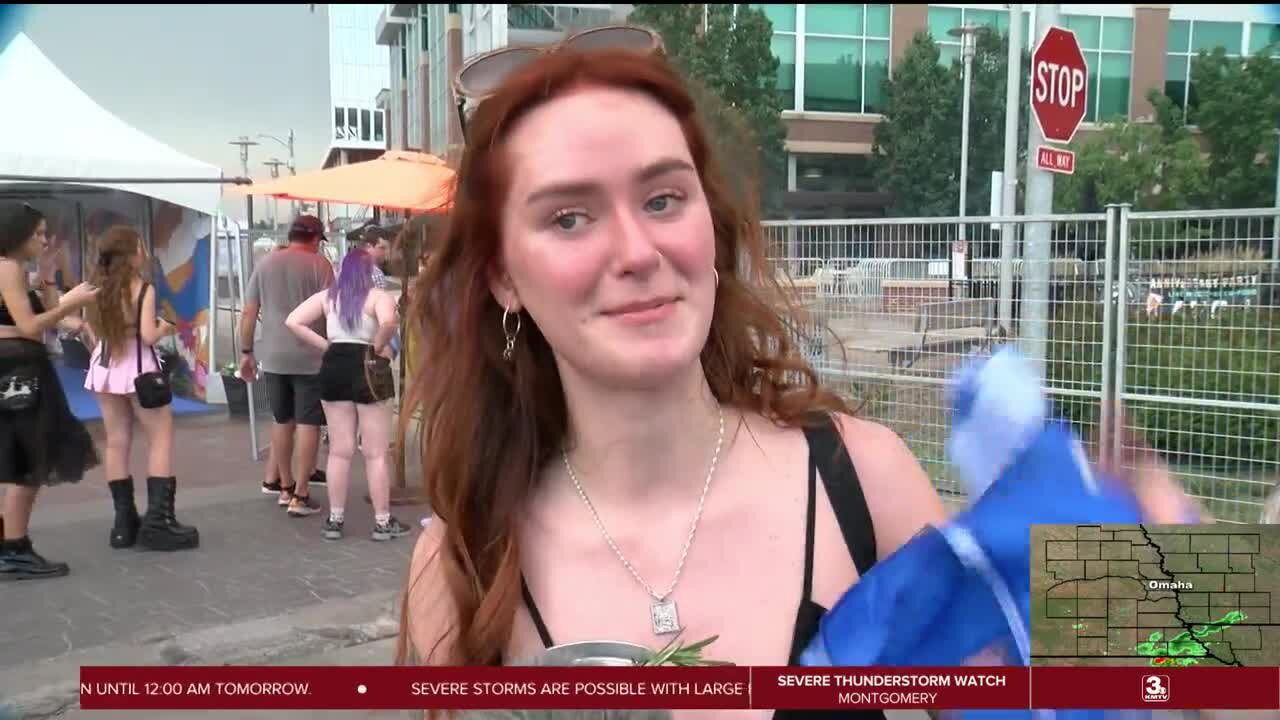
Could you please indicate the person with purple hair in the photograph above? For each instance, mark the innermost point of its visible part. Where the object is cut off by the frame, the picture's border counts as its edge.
(356, 384)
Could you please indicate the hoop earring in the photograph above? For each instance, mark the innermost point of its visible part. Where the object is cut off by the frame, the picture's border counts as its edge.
(510, 334)
(716, 274)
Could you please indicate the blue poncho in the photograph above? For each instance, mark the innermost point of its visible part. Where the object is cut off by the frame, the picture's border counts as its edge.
(964, 587)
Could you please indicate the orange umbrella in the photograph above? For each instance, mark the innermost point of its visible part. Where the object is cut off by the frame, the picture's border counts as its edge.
(398, 180)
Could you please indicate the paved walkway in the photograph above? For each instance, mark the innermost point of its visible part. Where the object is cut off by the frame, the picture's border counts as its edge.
(259, 581)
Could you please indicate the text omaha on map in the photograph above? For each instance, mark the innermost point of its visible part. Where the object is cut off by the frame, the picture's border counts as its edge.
(1166, 585)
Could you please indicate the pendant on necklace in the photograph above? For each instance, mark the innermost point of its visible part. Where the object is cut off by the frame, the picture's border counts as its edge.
(664, 616)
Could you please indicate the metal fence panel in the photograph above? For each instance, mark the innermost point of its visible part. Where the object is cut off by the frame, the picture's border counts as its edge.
(1172, 315)
(892, 314)
(1200, 377)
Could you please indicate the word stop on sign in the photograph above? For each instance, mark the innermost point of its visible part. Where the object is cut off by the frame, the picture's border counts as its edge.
(1058, 84)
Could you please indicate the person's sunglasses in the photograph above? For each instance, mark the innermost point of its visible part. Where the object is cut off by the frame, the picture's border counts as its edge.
(481, 76)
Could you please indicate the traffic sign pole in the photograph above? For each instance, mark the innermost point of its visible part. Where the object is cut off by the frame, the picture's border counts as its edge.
(1009, 204)
(1037, 250)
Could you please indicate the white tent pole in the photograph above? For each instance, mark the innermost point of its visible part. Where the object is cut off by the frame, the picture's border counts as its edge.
(253, 414)
(211, 326)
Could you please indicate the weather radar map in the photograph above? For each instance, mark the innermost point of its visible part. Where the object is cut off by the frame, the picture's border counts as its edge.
(1155, 595)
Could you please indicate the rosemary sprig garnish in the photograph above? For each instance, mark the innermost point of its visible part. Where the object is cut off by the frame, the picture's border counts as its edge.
(681, 655)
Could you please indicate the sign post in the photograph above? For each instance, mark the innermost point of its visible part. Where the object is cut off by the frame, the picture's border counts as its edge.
(1059, 103)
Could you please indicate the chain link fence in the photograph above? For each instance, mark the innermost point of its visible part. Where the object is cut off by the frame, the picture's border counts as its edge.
(1170, 315)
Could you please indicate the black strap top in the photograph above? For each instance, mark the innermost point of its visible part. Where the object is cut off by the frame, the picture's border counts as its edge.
(829, 459)
(37, 307)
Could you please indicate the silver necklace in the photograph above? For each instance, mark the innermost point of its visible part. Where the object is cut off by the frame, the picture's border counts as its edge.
(662, 611)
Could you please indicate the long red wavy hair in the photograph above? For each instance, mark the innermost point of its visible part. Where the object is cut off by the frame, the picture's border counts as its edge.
(491, 426)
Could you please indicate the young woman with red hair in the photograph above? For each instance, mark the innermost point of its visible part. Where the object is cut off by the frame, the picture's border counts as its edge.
(622, 438)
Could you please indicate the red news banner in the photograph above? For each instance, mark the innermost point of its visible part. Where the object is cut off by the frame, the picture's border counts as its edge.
(715, 688)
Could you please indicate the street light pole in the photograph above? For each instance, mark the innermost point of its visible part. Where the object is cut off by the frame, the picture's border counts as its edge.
(274, 164)
(1275, 221)
(1009, 197)
(293, 166)
(245, 143)
(968, 42)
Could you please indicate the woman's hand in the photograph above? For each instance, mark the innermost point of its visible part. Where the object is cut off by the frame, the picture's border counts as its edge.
(1159, 495)
(81, 295)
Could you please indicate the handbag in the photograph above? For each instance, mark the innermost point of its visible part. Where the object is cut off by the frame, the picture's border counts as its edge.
(379, 382)
(19, 390)
(152, 388)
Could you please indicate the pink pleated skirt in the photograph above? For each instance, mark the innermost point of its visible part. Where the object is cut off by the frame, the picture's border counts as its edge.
(117, 377)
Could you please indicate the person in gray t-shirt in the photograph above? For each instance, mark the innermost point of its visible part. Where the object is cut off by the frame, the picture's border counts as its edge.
(290, 368)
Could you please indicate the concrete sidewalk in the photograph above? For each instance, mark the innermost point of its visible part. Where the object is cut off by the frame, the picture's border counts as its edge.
(261, 587)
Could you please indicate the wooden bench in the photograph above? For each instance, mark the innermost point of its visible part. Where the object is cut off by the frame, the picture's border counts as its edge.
(952, 325)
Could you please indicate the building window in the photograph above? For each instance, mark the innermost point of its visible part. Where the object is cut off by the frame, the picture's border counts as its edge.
(831, 58)
(1107, 43)
(339, 131)
(404, 54)
(942, 19)
(423, 26)
(846, 57)
(834, 173)
(379, 130)
(1188, 38)
(1264, 37)
(783, 45)
(366, 125)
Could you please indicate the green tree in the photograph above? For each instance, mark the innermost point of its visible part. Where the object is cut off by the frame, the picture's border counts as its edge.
(916, 150)
(1238, 103)
(1152, 166)
(734, 76)
(917, 145)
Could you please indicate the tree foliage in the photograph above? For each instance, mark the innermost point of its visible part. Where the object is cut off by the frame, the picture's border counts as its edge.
(1148, 165)
(917, 146)
(1228, 161)
(733, 73)
(1237, 110)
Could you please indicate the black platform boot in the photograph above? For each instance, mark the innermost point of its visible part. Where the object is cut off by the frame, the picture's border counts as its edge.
(160, 529)
(124, 533)
(20, 561)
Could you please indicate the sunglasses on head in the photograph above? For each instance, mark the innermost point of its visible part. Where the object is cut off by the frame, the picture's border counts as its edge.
(481, 76)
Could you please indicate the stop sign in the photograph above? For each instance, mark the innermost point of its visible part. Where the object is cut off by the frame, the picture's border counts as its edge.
(1059, 82)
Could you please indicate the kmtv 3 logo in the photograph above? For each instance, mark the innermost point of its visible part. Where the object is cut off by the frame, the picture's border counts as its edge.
(1155, 688)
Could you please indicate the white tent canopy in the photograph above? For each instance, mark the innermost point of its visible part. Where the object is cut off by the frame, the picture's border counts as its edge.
(54, 129)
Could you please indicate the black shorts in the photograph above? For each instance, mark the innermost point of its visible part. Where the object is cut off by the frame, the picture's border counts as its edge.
(352, 372)
(294, 398)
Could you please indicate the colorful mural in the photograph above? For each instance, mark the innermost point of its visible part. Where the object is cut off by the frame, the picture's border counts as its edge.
(180, 255)
(181, 244)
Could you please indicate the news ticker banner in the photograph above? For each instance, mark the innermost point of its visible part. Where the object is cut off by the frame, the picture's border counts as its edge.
(665, 688)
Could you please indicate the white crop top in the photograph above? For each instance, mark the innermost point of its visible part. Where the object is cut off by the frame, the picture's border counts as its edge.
(337, 333)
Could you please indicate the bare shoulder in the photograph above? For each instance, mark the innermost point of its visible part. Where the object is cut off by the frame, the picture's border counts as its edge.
(429, 613)
(900, 495)
(10, 270)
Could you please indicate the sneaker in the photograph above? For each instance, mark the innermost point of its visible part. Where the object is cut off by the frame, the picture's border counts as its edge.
(20, 561)
(286, 496)
(271, 488)
(332, 529)
(392, 528)
(303, 506)
(318, 478)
